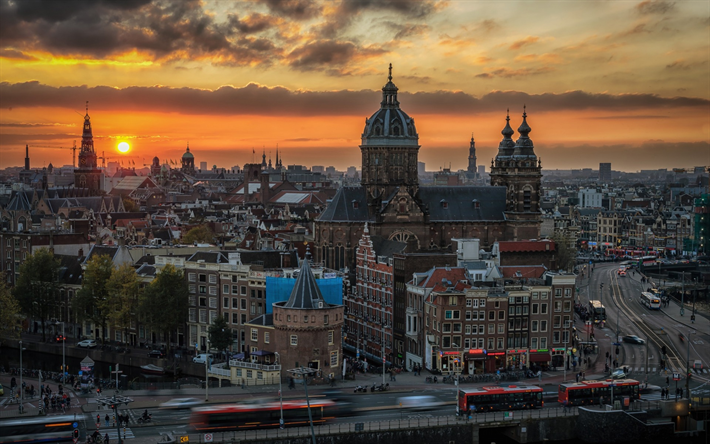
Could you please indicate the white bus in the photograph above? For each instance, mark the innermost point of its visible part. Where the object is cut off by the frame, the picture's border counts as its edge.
(650, 300)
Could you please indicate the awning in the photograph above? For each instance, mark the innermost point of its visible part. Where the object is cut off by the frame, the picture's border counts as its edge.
(540, 357)
(262, 353)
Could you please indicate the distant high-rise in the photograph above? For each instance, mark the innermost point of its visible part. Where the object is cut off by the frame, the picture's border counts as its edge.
(605, 172)
(481, 170)
(203, 166)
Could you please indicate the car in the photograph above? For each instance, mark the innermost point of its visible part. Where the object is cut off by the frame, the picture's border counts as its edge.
(633, 339)
(156, 353)
(181, 403)
(619, 373)
(2, 390)
(202, 358)
(622, 273)
(87, 343)
(60, 338)
(697, 365)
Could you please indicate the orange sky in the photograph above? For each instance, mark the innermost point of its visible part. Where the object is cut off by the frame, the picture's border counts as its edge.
(620, 82)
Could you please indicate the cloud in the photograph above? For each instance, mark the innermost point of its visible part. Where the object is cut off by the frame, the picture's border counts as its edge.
(508, 73)
(655, 7)
(408, 30)
(15, 55)
(254, 99)
(253, 23)
(294, 9)
(529, 40)
(684, 65)
(410, 8)
(327, 53)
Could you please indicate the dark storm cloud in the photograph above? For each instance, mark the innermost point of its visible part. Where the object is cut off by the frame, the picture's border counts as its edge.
(278, 101)
(655, 7)
(410, 8)
(328, 53)
(295, 9)
(251, 24)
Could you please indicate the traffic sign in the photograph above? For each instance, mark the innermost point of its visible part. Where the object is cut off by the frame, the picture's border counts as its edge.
(676, 376)
(208, 437)
(184, 439)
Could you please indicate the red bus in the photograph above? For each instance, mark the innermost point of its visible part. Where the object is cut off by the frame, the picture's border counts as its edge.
(513, 397)
(251, 416)
(590, 392)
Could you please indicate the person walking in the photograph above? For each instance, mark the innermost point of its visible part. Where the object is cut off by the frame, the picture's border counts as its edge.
(106, 439)
(98, 420)
(107, 419)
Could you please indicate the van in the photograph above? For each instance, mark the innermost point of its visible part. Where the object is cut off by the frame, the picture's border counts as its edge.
(698, 364)
(202, 358)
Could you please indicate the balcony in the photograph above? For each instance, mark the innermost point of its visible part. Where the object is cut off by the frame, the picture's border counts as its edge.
(255, 366)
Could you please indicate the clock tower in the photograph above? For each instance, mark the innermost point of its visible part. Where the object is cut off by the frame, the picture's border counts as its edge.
(88, 176)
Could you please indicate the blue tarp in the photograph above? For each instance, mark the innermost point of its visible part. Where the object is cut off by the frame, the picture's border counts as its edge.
(279, 289)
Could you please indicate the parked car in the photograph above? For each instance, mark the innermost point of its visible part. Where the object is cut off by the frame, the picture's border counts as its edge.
(60, 338)
(181, 403)
(87, 343)
(202, 358)
(633, 339)
(156, 353)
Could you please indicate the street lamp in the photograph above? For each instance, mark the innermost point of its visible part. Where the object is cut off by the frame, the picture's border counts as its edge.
(281, 399)
(687, 364)
(21, 391)
(458, 380)
(64, 340)
(303, 373)
(207, 376)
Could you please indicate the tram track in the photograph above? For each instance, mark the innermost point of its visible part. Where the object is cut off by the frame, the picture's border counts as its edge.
(674, 361)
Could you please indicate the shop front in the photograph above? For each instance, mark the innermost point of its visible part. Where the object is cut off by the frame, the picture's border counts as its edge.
(558, 357)
(540, 358)
(450, 362)
(516, 358)
(476, 361)
(495, 362)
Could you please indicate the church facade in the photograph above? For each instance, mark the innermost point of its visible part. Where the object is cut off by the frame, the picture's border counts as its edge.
(390, 199)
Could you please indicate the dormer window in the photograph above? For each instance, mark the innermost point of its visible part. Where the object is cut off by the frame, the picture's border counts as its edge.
(444, 203)
(356, 204)
(476, 204)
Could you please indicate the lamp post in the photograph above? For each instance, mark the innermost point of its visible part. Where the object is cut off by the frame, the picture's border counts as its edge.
(21, 391)
(281, 399)
(207, 376)
(64, 340)
(682, 295)
(687, 365)
(458, 412)
(303, 372)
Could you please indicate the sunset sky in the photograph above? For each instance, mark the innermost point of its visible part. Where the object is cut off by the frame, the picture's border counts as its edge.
(626, 82)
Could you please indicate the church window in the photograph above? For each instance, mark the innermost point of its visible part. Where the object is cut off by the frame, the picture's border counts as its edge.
(396, 130)
(402, 205)
(526, 200)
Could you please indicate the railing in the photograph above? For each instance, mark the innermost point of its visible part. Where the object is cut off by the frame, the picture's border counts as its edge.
(220, 372)
(254, 365)
(358, 426)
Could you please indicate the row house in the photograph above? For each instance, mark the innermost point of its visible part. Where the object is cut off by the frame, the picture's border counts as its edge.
(370, 303)
(483, 329)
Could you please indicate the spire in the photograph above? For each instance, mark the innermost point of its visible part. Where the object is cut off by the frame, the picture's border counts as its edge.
(305, 293)
(524, 145)
(505, 148)
(27, 157)
(389, 93)
(87, 137)
(524, 128)
(277, 156)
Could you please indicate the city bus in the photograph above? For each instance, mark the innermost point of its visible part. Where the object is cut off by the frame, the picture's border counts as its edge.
(591, 392)
(258, 416)
(597, 311)
(650, 300)
(488, 399)
(37, 429)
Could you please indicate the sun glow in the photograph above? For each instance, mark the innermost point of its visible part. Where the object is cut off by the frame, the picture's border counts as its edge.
(124, 147)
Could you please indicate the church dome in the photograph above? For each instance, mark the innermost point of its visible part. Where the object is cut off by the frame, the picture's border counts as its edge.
(389, 125)
(188, 154)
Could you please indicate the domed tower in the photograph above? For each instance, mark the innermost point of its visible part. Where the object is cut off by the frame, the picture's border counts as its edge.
(518, 169)
(88, 175)
(155, 167)
(390, 149)
(188, 162)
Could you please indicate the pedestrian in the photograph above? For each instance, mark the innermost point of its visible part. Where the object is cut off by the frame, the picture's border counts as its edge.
(584, 376)
(107, 419)
(98, 420)
(106, 439)
(681, 393)
(291, 384)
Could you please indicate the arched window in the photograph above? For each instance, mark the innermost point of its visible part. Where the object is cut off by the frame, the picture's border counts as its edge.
(396, 130)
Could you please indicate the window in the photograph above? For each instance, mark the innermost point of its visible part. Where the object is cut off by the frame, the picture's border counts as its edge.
(535, 295)
(468, 315)
(325, 319)
(543, 342)
(543, 308)
(558, 306)
(499, 344)
(556, 337)
(501, 328)
(568, 306)
(534, 308)
(190, 276)
(203, 278)
(254, 334)
(244, 304)
(491, 329)
(267, 336)
(556, 322)
(305, 319)
(453, 300)
(457, 314)
(474, 329)
(457, 328)
(213, 279)
(491, 315)
(482, 303)
(235, 318)
(469, 302)
(203, 289)
(482, 315)
(334, 359)
(543, 325)
(447, 342)
(474, 316)
(294, 339)
(447, 328)
(235, 289)
(288, 318)
(568, 292)
(543, 295)
(468, 329)
(501, 315)
(213, 302)
(533, 343)
(330, 337)
(448, 314)
(490, 343)
(558, 292)
(467, 343)
(243, 290)
(203, 316)
(534, 325)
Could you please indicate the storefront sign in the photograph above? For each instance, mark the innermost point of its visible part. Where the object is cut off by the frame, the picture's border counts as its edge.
(516, 351)
(539, 350)
(496, 353)
(477, 351)
(449, 353)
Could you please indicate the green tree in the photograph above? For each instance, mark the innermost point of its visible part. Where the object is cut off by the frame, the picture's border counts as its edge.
(92, 301)
(566, 254)
(10, 317)
(220, 334)
(123, 293)
(164, 303)
(130, 205)
(199, 234)
(37, 288)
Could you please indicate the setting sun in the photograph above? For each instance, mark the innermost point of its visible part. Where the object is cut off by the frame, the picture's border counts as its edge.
(124, 147)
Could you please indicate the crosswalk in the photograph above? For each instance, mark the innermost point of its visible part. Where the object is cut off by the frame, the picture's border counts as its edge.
(113, 434)
(632, 370)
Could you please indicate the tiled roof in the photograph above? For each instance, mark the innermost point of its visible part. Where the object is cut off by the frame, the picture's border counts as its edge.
(523, 271)
(306, 293)
(464, 203)
(444, 275)
(524, 246)
(348, 204)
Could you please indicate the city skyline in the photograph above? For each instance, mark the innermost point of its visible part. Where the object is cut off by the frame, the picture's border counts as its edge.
(603, 82)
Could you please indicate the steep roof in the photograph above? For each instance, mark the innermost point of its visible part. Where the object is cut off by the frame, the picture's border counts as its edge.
(464, 203)
(306, 293)
(348, 204)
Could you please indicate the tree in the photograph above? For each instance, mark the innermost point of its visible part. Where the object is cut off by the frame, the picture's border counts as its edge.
(37, 288)
(130, 205)
(10, 318)
(566, 254)
(164, 303)
(199, 234)
(220, 334)
(123, 293)
(92, 301)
